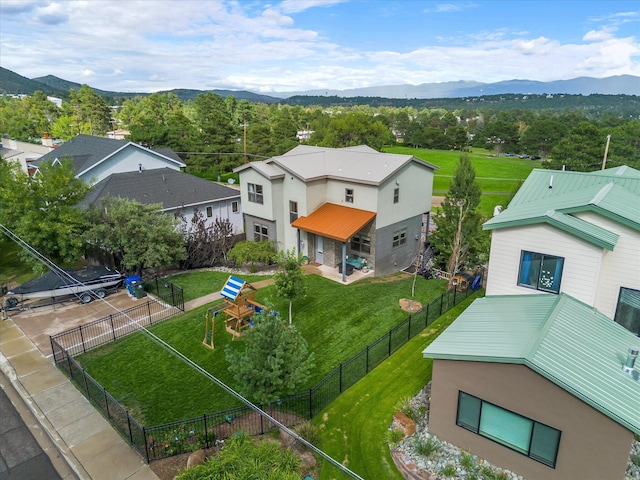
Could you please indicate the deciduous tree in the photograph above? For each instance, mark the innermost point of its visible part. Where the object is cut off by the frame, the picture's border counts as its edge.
(289, 279)
(137, 234)
(42, 210)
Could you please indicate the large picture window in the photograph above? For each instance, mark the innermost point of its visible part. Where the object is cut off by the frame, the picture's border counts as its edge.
(540, 271)
(255, 193)
(628, 310)
(361, 243)
(533, 439)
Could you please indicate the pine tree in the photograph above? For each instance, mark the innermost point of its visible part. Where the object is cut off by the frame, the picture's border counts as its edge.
(459, 237)
(275, 360)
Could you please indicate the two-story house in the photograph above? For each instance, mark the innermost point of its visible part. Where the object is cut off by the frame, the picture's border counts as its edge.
(119, 168)
(334, 204)
(537, 377)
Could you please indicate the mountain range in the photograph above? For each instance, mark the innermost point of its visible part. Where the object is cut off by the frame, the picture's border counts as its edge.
(13, 83)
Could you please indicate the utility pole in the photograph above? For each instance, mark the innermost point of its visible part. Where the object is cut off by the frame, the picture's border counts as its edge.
(606, 150)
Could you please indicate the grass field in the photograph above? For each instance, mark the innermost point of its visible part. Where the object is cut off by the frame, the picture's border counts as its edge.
(498, 177)
(336, 320)
(11, 268)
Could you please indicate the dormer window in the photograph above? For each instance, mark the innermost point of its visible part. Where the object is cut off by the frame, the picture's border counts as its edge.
(348, 195)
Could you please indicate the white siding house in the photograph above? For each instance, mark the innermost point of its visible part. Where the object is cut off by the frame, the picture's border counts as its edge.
(576, 233)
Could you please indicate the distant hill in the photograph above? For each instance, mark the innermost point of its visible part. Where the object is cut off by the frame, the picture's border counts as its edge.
(11, 82)
(617, 85)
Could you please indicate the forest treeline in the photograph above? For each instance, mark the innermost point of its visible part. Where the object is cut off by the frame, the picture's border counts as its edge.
(214, 134)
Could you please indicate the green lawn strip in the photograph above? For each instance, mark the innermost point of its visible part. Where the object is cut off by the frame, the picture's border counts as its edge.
(204, 282)
(354, 425)
(336, 320)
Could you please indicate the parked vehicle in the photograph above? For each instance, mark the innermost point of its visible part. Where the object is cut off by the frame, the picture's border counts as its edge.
(85, 283)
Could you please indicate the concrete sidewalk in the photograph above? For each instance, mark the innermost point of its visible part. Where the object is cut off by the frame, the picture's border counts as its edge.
(88, 446)
(212, 297)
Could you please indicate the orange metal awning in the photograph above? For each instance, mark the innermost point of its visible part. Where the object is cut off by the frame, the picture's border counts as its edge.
(335, 221)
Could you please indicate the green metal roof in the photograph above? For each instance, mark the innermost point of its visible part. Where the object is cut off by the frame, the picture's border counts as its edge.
(549, 196)
(566, 341)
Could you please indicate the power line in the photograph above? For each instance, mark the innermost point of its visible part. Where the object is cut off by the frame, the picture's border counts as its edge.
(158, 341)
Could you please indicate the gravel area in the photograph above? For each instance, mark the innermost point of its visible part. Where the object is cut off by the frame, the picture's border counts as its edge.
(450, 462)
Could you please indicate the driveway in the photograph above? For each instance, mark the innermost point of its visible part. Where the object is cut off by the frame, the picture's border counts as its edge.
(40, 323)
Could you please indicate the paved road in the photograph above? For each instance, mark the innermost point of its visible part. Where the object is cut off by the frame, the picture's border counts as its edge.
(21, 456)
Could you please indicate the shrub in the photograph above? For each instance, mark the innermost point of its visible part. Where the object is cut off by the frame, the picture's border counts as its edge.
(403, 405)
(426, 448)
(448, 471)
(310, 432)
(393, 437)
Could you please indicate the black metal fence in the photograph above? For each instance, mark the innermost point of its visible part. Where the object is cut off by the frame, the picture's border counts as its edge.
(202, 432)
(108, 329)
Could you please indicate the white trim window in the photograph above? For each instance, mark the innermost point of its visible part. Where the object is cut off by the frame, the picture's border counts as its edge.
(256, 194)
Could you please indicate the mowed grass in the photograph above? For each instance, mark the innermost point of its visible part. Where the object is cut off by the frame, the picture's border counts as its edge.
(498, 177)
(353, 426)
(197, 284)
(336, 320)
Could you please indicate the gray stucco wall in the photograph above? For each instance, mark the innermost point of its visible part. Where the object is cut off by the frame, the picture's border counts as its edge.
(390, 259)
(249, 221)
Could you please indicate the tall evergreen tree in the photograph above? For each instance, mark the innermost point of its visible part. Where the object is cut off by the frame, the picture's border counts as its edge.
(458, 238)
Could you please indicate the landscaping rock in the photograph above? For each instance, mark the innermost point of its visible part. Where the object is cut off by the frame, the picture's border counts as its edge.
(405, 424)
(196, 458)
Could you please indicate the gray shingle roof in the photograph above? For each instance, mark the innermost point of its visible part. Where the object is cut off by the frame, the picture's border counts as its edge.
(564, 340)
(85, 151)
(171, 188)
(359, 164)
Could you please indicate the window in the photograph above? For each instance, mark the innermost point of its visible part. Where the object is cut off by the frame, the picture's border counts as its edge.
(348, 195)
(539, 271)
(533, 439)
(400, 237)
(235, 207)
(361, 243)
(628, 310)
(255, 193)
(396, 195)
(260, 232)
(293, 211)
(209, 212)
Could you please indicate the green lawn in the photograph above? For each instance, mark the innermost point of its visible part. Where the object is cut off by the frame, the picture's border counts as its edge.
(353, 426)
(498, 177)
(336, 320)
(200, 283)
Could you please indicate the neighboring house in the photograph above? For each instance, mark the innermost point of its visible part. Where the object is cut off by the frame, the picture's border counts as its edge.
(330, 204)
(536, 384)
(95, 158)
(179, 193)
(536, 377)
(23, 153)
(572, 232)
(125, 169)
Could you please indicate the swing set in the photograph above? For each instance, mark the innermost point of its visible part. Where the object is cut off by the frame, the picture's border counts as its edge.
(238, 308)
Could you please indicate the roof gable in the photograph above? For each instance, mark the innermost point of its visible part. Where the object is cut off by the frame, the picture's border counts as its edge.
(564, 340)
(87, 151)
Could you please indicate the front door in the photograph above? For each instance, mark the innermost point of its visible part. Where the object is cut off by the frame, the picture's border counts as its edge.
(320, 249)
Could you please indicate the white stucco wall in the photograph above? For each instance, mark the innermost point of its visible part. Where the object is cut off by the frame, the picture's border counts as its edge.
(126, 160)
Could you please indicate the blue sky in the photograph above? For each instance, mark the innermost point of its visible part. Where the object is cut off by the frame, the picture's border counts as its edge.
(298, 45)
